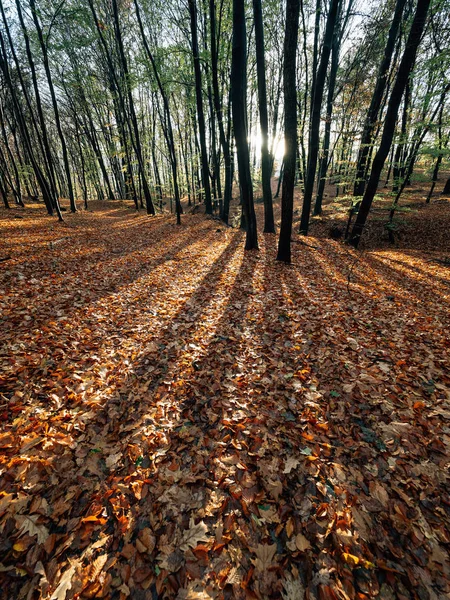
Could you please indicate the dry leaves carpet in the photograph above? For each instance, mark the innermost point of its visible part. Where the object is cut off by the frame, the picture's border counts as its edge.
(179, 420)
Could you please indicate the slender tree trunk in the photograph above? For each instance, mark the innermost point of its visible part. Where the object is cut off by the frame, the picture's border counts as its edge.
(168, 131)
(323, 168)
(238, 99)
(200, 112)
(412, 159)
(266, 163)
(401, 144)
(138, 149)
(403, 73)
(280, 179)
(441, 146)
(219, 113)
(375, 104)
(290, 129)
(446, 190)
(3, 191)
(42, 135)
(315, 116)
(24, 131)
(48, 74)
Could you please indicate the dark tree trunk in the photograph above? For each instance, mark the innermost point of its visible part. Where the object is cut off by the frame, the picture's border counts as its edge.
(42, 135)
(446, 190)
(266, 163)
(3, 191)
(24, 131)
(404, 71)
(219, 113)
(48, 74)
(290, 129)
(200, 113)
(323, 168)
(238, 99)
(375, 104)
(315, 115)
(137, 146)
(168, 131)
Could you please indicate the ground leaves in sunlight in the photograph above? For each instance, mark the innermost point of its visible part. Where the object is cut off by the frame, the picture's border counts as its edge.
(179, 420)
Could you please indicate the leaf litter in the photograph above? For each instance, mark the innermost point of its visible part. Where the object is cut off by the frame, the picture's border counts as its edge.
(179, 420)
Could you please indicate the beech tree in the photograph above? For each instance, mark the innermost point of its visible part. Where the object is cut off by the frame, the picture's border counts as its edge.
(238, 99)
(290, 129)
(401, 80)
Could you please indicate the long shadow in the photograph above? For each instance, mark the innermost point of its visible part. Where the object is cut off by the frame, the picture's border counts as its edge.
(353, 442)
(406, 283)
(121, 276)
(199, 430)
(115, 423)
(421, 274)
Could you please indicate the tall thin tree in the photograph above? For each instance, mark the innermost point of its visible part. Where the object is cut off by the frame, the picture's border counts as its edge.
(238, 99)
(401, 80)
(266, 163)
(200, 111)
(290, 129)
(315, 115)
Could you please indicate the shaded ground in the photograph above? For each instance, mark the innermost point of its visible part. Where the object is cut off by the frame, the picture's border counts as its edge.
(183, 421)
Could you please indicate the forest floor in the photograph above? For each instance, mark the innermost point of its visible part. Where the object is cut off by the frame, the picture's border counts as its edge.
(180, 419)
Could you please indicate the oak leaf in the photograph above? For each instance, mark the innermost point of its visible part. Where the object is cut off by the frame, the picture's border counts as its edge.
(65, 584)
(27, 524)
(194, 535)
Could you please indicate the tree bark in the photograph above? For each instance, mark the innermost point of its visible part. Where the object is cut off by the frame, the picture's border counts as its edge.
(404, 71)
(315, 116)
(266, 163)
(375, 104)
(238, 99)
(290, 129)
(200, 112)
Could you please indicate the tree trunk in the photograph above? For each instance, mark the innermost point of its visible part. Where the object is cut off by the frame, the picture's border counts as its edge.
(62, 139)
(200, 113)
(238, 99)
(168, 131)
(24, 131)
(403, 73)
(375, 104)
(315, 115)
(219, 113)
(266, 163)
(323, 167)
(137, 146)
(290, 129)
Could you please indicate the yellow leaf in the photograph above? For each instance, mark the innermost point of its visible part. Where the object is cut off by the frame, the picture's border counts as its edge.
(20, 546)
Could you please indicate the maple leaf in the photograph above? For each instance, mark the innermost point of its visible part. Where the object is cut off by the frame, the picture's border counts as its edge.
(264, 556)
(194, 535)
(27, 524)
